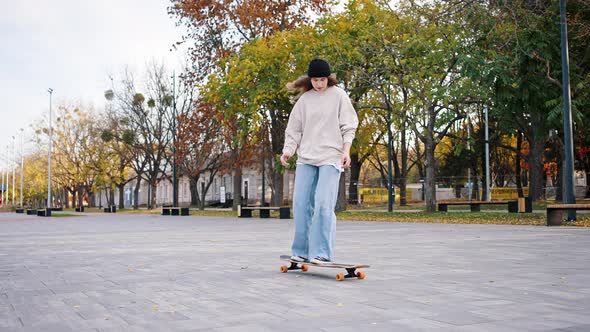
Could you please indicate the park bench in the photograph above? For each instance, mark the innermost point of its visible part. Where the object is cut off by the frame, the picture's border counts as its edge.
(44, 212)
(80, 209)
(110, 209)
(246, 211)
(475, 206)
(555, 212)
(31, 211)
(175, 211)
(20, 210)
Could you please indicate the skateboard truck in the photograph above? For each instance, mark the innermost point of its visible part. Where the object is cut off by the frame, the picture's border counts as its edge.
(295, 266)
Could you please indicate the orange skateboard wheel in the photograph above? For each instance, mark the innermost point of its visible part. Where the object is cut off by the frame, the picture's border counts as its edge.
(304, 268)
(339, 276)
(284, 269)
(360, 275)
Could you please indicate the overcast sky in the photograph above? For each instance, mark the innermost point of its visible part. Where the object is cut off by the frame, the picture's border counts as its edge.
(72, 46)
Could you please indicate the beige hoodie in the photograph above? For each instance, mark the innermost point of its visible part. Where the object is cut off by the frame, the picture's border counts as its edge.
(319, 125)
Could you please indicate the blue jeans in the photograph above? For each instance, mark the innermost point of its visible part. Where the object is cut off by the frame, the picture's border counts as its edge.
(314, 200)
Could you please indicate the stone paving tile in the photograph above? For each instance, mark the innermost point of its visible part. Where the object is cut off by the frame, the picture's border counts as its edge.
(460, 318)
(536, 324)
(576, 328)
(153, 273)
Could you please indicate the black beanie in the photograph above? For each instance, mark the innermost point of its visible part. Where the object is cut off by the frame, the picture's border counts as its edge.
(318, 68)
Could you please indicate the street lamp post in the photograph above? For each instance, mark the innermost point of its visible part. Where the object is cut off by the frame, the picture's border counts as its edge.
(390, 196)
(469, 185)
(487, 139)
(22, 165)
(50, 90)
(174, 170)
(8, 173)
(568, 166)
(7, 177)
(5, 181)
(13, 162)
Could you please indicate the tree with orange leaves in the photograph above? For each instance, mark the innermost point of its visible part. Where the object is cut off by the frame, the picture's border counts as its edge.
(200, 149)
(219, 27)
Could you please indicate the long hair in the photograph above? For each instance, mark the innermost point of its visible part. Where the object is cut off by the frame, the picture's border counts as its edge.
(303, 84)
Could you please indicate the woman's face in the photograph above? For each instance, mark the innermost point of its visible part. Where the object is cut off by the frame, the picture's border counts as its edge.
(319, 83)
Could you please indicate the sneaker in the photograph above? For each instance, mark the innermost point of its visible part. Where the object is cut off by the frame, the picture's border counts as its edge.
(321, 261)
(298, 258)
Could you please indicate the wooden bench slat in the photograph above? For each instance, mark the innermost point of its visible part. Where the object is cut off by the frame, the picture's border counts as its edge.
(175, 211)
(474, 202)
(475, 206)
(555, 212)
(569, 206)
(246, 211)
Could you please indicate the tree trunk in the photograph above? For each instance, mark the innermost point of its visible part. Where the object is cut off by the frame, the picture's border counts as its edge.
(74, 198)
(429, 182)
(91, 199)
(355, 172)
(475, 188)
(154, 186)
(66, 198)
(121, 188)
(419, 163)
(536, 169)
(517, 168)
(112, 200)
(107, 193)
(404, 168)
(237, 192)
(341, 201)
(277, 193)
(136, 193)
(194, 188)
(203, 196)
(80, 196)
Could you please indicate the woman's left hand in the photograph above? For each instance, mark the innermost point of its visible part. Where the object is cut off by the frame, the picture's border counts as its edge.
(345, 160)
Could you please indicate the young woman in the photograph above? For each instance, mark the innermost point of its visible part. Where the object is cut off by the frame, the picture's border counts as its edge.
(321, 128)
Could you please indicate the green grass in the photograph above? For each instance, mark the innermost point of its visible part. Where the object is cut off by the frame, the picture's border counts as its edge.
(55, 214)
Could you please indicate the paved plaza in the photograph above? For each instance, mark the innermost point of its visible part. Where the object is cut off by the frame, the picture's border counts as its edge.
(124, 272)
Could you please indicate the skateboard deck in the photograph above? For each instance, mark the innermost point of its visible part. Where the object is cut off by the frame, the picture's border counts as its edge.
(304, 266)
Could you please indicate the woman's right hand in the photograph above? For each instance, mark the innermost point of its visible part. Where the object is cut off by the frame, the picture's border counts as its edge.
(285, 159)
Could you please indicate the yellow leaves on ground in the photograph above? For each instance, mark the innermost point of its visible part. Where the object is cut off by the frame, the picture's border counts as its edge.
(499, 218)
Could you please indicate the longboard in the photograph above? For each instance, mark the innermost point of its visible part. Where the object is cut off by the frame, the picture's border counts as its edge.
(351, 269)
